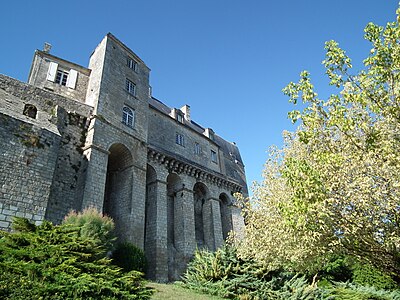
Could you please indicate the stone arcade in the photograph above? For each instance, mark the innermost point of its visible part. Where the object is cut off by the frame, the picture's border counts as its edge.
(75, 137)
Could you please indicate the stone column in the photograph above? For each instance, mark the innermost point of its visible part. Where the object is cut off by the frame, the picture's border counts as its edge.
(93, 194)
(138, 206)
(156, 231)
(217, 224)
(184, 229)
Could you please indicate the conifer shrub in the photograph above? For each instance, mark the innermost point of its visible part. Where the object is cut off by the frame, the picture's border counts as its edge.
(93, 225)
(129, 257)
(367, 275)
(58, 262)
(350, 291)
(224, 274)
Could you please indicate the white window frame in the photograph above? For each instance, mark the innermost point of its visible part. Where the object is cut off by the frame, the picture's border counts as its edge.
(214, 157)
(61, 77)
(130, 87)
(128, 116)
(180, 139)
(197, 148)
(132, 64)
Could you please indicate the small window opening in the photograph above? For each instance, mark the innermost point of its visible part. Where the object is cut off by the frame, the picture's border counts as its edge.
(180, 139)
(61, 77)
(214, 156)
(132, 64)
(130, 87)
(197, 148)
(128, 116)
(179, 118)
(30, 111)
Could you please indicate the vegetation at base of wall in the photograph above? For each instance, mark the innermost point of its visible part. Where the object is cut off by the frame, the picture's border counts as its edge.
(345, 268)
(226, 275)
(129, 257)
(62, 262)
(91, 224)
(349, 291)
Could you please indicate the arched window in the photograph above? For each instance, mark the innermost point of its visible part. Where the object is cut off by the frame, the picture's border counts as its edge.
(128, 116)
(30, 111)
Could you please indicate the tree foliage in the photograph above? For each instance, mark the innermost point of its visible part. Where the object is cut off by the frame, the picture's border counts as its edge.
(334, 186)
(57, 262)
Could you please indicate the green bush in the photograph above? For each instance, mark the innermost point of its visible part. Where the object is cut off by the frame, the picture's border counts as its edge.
(349, 291)
(366, 275)
(57, 262)
(224, 274)
(93, 225)
(129, 257)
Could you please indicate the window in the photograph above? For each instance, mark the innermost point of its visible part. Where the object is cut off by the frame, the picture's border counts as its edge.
(30, 111)
(128, 116)
(132, 64)
(213, 156)
(179, 117)
(180, 139)
(61, 77)
(197, 149)
(130, 87)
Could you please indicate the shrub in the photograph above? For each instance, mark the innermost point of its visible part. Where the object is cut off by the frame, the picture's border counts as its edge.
(93, 225)
(57, 262)
(349, 291)
(367, 275)
(224, 274)
(129, 257)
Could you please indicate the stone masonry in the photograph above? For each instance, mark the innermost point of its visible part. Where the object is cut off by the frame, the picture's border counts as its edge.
(76, 137)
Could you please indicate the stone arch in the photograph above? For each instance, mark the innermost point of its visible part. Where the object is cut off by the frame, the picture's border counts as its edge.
(174, 189)
(118, 189)
(201, 216)
(226, 214)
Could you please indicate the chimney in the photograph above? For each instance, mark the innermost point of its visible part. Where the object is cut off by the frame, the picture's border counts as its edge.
(46, 47)
(186, 111)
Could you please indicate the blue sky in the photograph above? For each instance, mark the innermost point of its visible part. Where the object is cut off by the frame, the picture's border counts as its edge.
(227, 59)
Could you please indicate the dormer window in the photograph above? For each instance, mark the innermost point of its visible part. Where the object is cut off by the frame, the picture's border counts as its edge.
(128, 116)
(62, 76)
(132, 64)
(179, 117)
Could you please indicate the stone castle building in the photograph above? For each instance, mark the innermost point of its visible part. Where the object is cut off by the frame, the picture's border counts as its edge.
(75, 137)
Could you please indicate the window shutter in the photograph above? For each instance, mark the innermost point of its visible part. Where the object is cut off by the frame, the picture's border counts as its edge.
(72, 76)
(51, 73)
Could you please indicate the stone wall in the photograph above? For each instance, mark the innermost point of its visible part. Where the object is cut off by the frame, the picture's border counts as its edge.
(70, 172)
(27, 163)
(47, 146)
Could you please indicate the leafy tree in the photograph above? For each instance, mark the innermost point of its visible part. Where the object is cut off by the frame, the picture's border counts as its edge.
(334, 187)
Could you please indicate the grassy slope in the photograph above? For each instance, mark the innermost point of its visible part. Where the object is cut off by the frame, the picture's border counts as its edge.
(172, 292)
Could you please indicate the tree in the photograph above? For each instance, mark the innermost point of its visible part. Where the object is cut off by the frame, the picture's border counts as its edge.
(334, 186)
